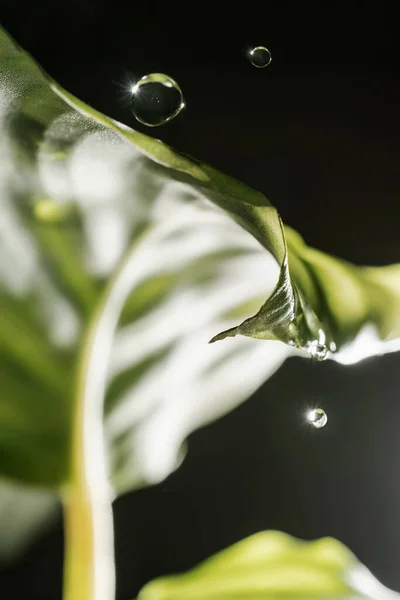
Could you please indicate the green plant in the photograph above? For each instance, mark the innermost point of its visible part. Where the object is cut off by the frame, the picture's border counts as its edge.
(123, 258)
(272, 565)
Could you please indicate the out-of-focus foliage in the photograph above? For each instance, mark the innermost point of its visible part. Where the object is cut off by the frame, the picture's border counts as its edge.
(24, 512)
(82, 208)
(270, 566)
(105, 229)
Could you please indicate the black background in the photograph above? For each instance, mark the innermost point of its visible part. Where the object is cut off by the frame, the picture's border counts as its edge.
(318, 132)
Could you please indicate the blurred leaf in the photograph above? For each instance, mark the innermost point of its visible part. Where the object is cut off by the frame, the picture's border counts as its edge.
(271, 565)
(110, 236)
(94, 228)
(24, 513)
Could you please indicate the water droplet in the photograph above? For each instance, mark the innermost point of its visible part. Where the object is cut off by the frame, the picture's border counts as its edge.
(318, 351)
(156, 99)
(317, 417)
(260, 57)
(47, 210)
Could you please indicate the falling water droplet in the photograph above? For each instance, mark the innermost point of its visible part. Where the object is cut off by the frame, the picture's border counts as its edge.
(317, 417)
(156, 99)
(318, 351)
(260, 57)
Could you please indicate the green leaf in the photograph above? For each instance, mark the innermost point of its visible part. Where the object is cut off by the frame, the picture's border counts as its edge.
(360, 305)
(95, 226)
(111, 236)
(270, 566)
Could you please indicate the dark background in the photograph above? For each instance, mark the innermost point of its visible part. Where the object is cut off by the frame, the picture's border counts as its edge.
(318, 132)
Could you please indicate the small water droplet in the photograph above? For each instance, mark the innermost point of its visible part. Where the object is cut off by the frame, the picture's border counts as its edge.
(318, 351)
(260, 57)
(156, 99)
(317, 417)
(47, 210)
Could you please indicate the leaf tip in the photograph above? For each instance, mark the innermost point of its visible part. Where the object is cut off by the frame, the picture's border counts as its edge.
(228, 333)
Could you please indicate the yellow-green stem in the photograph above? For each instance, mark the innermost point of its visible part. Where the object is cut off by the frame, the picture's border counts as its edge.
(89, 548)
(79, 548)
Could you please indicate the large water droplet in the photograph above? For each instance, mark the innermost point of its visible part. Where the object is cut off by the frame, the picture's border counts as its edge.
(260, 57)
(318, 351)
(156, 99)
(317, 417)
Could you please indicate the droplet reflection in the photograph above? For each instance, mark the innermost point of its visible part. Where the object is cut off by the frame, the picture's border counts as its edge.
(317, 417)
(156, 99)
(318, 351)
(260, 57)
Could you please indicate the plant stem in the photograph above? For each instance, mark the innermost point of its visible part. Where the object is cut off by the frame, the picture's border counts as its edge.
(89, 549)
(88, 569)
(79, 548)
